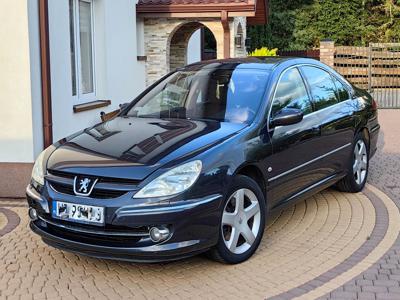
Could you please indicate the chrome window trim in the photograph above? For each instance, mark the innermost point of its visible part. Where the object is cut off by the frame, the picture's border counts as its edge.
(308, 162)
(276, 88)
(317, 111)
(307, 87)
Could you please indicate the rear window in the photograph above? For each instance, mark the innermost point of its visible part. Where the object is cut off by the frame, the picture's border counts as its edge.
(212, 94)
(341, 90)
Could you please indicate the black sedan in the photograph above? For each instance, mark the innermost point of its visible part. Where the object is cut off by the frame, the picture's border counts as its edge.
(199, 160)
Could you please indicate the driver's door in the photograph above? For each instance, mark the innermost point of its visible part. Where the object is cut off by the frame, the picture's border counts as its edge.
(291, 167)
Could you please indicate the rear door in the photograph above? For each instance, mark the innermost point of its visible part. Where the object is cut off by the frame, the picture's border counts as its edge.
(334, 112)
(294, 147)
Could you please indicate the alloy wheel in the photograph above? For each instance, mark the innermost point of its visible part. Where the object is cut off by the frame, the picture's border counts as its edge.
(241, 221)
(360, 162)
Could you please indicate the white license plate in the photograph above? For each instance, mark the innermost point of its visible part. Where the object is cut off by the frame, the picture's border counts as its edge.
(80, 213)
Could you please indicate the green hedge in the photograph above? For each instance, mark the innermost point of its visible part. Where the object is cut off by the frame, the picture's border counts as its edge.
(301, 24)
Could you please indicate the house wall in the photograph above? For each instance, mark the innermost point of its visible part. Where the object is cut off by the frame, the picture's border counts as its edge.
(166, 42)
(20, 135)
(35, 73)
(16, 135)
(158, 34)
(238, 50)
(119, 76)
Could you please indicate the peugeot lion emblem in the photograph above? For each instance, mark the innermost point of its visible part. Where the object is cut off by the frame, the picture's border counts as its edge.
(83, 186)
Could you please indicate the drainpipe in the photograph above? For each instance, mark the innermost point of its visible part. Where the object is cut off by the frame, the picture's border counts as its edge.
(45, 72)
(227, 36)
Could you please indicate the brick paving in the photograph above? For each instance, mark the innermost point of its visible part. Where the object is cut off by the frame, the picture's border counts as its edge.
(301, 243)
(382, 281)
(314, 246)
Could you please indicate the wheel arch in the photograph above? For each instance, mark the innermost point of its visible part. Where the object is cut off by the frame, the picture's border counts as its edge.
(365, 132)
(255, 173)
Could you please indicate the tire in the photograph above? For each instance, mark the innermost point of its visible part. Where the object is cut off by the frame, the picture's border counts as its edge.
(236, 243)
(357, 173)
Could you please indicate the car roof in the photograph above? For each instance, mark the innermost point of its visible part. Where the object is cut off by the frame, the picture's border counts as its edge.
(260, 63)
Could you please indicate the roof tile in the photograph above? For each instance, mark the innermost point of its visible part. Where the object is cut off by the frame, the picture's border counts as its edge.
(182, 2)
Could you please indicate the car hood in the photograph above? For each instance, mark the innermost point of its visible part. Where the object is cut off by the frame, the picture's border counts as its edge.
(132, 148)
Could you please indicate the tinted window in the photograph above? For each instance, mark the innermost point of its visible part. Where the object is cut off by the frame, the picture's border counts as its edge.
(291, 93)
(323, 89)
(342, 92)
(215, 94)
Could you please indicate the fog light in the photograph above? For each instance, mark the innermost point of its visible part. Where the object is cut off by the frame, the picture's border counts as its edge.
(32, 214)
(159, 234)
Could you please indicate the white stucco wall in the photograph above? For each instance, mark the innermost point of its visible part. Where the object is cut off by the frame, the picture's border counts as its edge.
(16, 134)
(119, 77)
(35, 71)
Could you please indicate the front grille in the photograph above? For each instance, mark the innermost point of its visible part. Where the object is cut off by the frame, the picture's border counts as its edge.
(105, 230)
(105, 188)
(122, 181)
(61, 174)
(96, 193)
(94, 239)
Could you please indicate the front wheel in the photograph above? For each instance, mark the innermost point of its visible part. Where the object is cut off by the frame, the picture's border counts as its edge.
(242, 222)
(357, 174)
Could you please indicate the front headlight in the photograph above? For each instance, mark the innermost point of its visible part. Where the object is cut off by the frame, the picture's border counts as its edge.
(38, 171)
(172, 182)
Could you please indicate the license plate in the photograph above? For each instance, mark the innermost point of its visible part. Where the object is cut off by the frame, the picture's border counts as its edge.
(79, 213)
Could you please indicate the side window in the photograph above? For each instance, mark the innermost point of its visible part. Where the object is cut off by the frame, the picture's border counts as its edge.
(342, 92)
(291, 93)
(323, 90)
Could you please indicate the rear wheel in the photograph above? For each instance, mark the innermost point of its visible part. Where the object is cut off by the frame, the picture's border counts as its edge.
(242, 222)
(357, 174)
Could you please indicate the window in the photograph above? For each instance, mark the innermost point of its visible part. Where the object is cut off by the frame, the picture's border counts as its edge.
(81, 47)
(211, 94)
(291, 93)
(323, 89)
(341, 91)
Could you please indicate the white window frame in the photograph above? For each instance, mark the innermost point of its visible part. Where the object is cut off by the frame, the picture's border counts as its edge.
(79, 96)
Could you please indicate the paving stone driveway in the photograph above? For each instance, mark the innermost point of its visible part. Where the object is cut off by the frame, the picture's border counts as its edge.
(309, 250)
(382, 281)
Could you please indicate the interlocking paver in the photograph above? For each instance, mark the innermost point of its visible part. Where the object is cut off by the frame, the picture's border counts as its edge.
(385, 174)
(310, 232)
(304, 247)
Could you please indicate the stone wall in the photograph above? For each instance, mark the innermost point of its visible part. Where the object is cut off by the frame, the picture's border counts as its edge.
(239, 24)
(179, 43)
(166, 42)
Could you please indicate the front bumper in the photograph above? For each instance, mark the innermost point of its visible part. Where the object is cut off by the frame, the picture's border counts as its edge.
(193, 225)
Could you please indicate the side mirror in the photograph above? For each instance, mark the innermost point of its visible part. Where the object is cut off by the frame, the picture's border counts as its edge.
(123, 106)
(287, 116)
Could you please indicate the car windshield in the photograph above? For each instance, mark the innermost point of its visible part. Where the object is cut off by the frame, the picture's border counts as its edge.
(206, 94)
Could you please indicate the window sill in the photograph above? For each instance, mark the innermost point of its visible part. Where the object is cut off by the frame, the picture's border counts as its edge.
(91, 105)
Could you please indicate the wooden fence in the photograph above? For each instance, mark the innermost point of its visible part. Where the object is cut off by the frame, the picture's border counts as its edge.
(375, 68)
(313, 53)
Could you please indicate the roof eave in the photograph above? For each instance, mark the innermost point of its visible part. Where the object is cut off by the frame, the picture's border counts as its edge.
(196, 8)
(261, 14)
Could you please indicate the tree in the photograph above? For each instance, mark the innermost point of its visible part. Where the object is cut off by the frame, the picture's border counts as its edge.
(301, 24)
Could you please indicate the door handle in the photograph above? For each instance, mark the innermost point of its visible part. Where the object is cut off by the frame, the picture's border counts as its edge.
(316, 129)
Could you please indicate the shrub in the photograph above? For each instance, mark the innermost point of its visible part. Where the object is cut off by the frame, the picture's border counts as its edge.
(264, 51)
